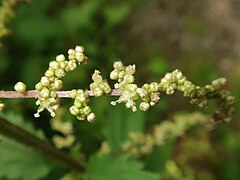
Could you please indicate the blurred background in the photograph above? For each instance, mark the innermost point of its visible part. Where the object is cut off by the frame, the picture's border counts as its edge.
(199, 37)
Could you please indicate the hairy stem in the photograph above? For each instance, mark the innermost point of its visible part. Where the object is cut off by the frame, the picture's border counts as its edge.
(22, 136)
(35, 93)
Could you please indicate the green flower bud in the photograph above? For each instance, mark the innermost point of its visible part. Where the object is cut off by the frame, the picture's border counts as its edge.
(79, 49)
(144, 106)
(153, 87)
(91, 117)
(74, 110)
(146, 86)
(54, 95)
(118, 65)
(59, 73)
(96, 77)
(203, 104)
(177, 74)
(81, 97)
(181, 81)
(80, 57)
(53, 65)
(121, 74)
(71, 51)
(73, 94)
(45, 81)
(87, 110)
(114, 75)
(170, 90)
(63, 64)
(49, 73)
(132, 87)
(129, 78)
(20, 87)
(78, 104)
(60, 58)
(93, 85)
(131, 69)
(71, 57)
(72, 65)
(44, 93)
(80, 91)
(218, 83)
(195, 101)
(98, 92)
(164, 85)
(38, 86)
(58, 83)
(169, 77)
(1, 106)
(230, 100)
(155, 97)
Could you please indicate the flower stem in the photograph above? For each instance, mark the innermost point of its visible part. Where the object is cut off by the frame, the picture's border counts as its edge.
(35, 93)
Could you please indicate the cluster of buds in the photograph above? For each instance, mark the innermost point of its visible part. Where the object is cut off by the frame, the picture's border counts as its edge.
(125, 87)
(200, 95)
(7, 8)
(67, 139)
(99, 86)
(63, 142)
(150, 95)
(125, 78)
(172, 81)
(140, 144)
(225, 102)
(51, 81)
(6, 13)
(80, 108)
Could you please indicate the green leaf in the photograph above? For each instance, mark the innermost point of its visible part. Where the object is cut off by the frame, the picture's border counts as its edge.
(115, 14)
(157, 160)
(158, 66)
(79, 16)
(119, 122)
(18, 161)
(119, 168)
(28, 31)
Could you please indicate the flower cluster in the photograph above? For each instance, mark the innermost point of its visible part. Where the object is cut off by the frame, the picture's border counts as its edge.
(80, 108)
(150, 95)
(67, 138)
(125, 88)
(51, 81)
(125, 78)
(7, 13)
(200, 95)
(99, 86)
(140, 144)
(171, 82)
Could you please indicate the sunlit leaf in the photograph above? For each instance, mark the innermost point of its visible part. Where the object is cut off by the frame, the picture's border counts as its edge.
(119, 168)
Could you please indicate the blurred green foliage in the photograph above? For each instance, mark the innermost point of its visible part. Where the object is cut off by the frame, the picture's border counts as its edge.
(110, 30)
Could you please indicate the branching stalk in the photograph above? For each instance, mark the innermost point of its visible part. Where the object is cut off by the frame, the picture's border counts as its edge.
(22, 136)
(35, 94)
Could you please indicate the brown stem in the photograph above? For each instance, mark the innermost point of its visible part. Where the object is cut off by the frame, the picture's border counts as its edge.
(22, 136)
(35, 93)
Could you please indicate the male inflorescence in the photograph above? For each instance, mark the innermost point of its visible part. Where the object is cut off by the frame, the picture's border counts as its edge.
(6, 14)
(52, 79)
(149, 94)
